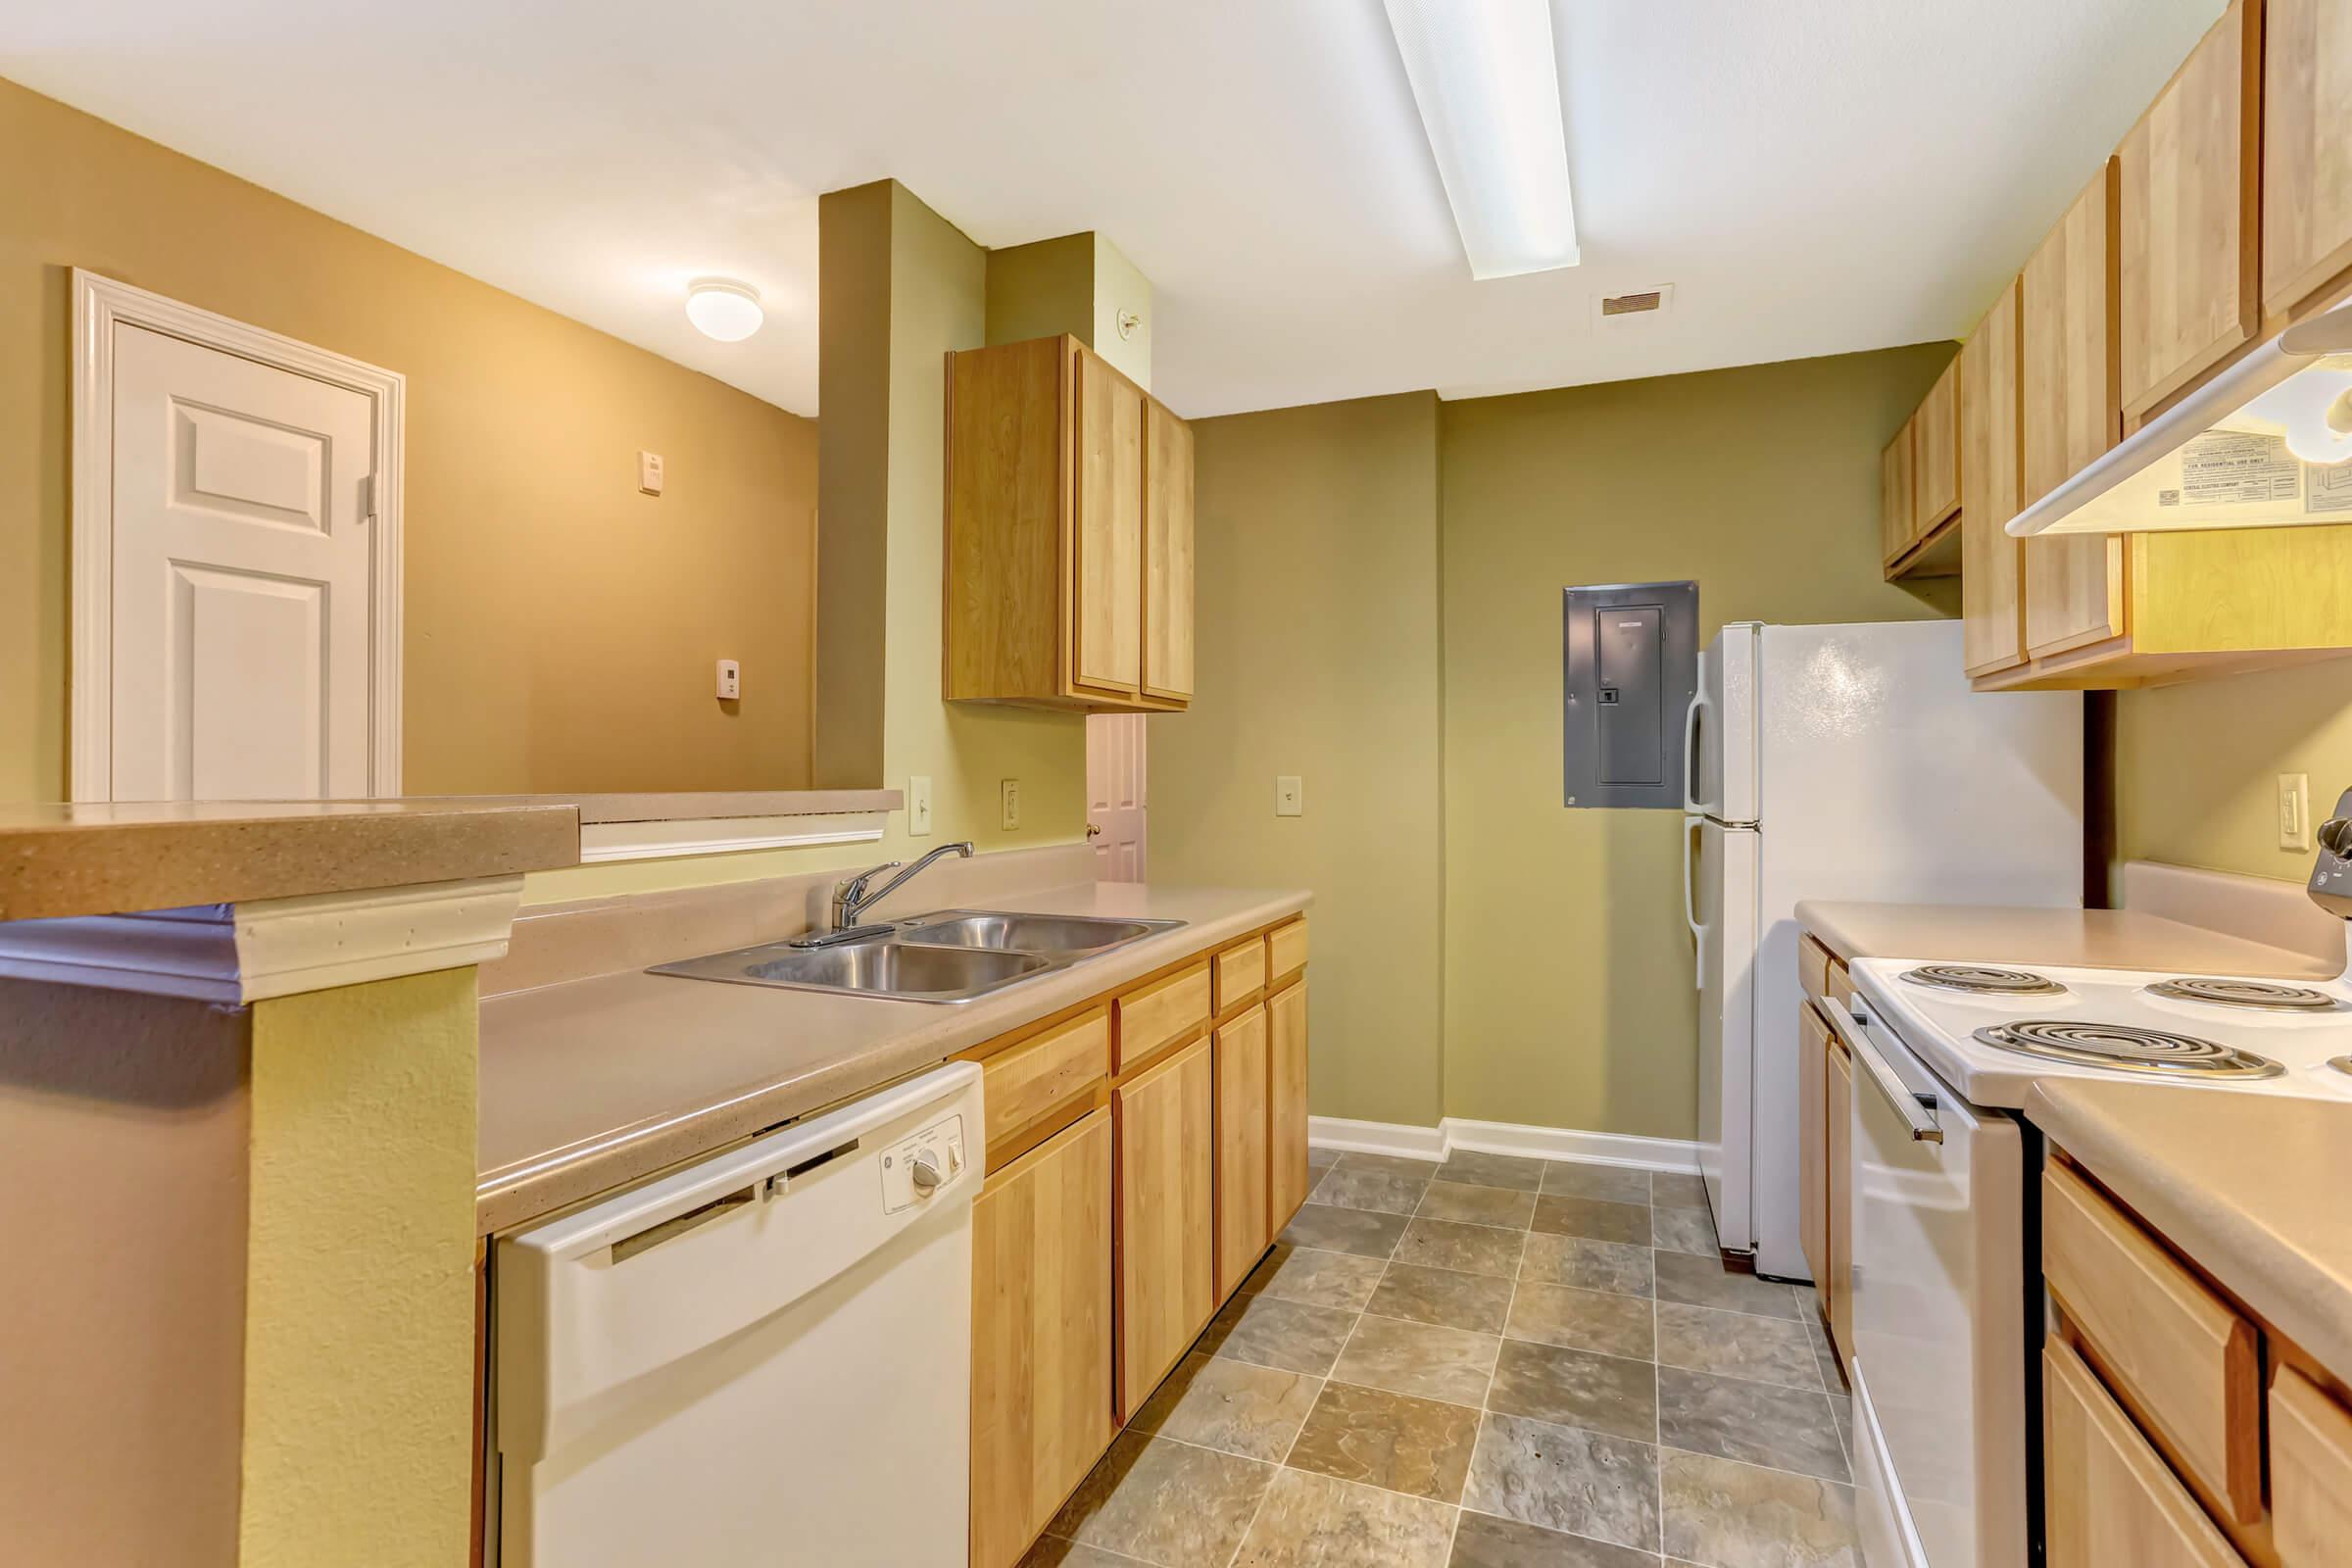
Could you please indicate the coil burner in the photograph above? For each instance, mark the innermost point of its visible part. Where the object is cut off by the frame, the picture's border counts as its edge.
(1980, 980)
(2262, 994)
(2126, 1049)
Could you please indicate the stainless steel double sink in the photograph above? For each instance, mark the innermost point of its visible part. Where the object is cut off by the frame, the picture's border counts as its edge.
(948, 956)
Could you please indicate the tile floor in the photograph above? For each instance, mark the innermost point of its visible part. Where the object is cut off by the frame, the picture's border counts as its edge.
(1495, 1362)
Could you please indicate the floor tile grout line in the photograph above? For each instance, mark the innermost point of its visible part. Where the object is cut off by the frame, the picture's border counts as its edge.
(1657, 1384)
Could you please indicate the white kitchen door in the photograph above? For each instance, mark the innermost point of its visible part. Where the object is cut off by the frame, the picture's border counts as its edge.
(1114, 795)
(242, 578)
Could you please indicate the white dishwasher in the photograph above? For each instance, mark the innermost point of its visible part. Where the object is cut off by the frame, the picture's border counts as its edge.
(763, 1358)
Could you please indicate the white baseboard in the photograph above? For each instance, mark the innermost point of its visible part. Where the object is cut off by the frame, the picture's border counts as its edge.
(1375, 1137)
(1501, 1138)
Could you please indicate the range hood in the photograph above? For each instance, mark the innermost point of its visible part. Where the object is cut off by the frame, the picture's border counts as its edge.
(2265, 444)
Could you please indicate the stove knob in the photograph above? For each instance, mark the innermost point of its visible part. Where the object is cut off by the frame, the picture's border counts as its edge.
(2335, 836)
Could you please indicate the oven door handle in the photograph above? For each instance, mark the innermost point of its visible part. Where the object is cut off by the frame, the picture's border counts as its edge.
(1907, 1104)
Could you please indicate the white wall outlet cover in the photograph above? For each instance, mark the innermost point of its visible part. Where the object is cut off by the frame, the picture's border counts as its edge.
(918, 806)
(730, 680)
(1290, 796)
(2294, 811)
(1008, 804)
(649, 472)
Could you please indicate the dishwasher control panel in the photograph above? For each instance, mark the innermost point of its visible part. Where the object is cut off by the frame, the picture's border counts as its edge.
(920, 1164)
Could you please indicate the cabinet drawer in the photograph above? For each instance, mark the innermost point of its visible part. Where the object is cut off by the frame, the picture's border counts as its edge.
(2108, 1499)
(1285, 950)
(1813, 968)
(1030, 1080)
(2311, 1473)
(1238, 970)
(2172, 1348)
(1160, 1014)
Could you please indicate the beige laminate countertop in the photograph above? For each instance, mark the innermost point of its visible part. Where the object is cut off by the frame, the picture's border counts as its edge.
(2090, 939)
(594, 1083)
(2250, 1186)
(61, 860)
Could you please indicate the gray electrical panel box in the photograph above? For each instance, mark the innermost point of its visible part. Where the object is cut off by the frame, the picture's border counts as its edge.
(1632, 658)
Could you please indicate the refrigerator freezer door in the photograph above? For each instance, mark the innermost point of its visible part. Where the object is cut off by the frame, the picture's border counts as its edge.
(1724, 892)
(1886, 778)
(1719, 729)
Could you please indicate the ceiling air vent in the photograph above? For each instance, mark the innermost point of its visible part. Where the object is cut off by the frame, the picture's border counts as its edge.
(1618, 309)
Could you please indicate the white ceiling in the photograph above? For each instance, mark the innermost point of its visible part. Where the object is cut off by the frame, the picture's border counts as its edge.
(1811, 175)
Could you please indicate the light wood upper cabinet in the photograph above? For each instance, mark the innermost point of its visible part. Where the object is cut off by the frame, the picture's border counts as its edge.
(1041, 1336)
(1106, 622)
(2305, 150)
(1244, 1088)
(1164, 1119)
(1992, 585)
(1168, 555)
(2068, 415)
(1898, 496)
(1069, 534)
(1935, 487)
(2190, 191)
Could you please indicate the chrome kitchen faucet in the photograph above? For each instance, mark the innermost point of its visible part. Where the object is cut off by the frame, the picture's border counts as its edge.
(850, 898)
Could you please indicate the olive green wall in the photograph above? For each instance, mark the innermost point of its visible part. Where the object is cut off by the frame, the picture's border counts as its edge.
(1380, 614)
(1568, 967)
(1317, 624)
(2197, 765)
(1076, 283)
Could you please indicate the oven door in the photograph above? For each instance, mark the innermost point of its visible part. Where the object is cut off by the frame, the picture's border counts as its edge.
(1939, 1307)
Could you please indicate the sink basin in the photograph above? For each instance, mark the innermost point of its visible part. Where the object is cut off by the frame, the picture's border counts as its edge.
(884, 968)
(950, 957)
(1027, 933)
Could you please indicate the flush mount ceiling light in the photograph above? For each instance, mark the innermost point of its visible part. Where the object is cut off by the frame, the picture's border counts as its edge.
(723, 309)
(1487, 86)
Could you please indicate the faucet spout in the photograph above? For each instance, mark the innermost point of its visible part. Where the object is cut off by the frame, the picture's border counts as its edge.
(850, 898)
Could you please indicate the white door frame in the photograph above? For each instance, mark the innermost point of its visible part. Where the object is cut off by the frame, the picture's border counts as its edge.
(100, 304)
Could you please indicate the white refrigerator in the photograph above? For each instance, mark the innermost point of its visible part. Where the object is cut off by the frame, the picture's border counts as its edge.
(1843, 762)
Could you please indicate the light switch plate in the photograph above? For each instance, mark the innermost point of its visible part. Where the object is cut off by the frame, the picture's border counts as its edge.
(649, 472)
(1290, 796)
(918, 806)
(1008, 804)
(730, 680)
(2294, 811)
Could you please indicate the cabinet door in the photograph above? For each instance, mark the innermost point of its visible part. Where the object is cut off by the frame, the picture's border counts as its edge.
(2108, 1499)
(1041, 1336)
(1286, 1020)
(1167, 554)
(1244, 1088)
(1936, 486)
(1165, 1121)
(1107, 567)
(2073, 584)
(2190, 183)
(1991, 601)
(2306, 148)
(1838, 1182)
(1813, 1143)
(1898, 495)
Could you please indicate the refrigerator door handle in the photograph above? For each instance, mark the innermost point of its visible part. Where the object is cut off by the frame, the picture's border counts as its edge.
(1692, 825)
(1690, 760)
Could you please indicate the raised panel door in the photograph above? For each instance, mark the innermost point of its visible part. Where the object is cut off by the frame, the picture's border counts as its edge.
(1167, 1289)
(1992, 563)
(1168, 555)
(1244, 1088)
(1285, 1026)
(1107, 583)
(2306, 149)
(1938, 455)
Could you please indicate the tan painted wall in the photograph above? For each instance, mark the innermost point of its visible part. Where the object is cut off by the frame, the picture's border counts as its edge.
(561, 628)
(362, 1242)
(1318, 656)
(1568, 979)
(2197, 765)
(124, 1123)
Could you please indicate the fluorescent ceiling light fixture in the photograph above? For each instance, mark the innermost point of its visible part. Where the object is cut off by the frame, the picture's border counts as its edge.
(1487, 86)
(723, 309)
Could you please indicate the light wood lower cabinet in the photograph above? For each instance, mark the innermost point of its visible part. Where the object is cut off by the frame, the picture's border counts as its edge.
(1041, 1336)
(1839, 1179)
(1165, 1119)
(2311, 1473)
(2108, 1499)
(1286, 1028)
(1813, 1144)
(1244, 1091)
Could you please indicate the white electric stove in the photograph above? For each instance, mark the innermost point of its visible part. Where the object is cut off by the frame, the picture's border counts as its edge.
(1941, 1193)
